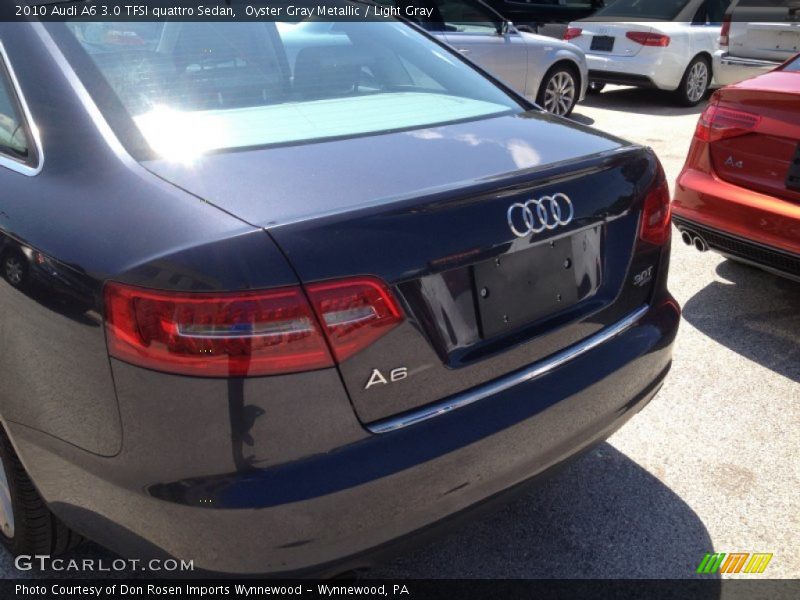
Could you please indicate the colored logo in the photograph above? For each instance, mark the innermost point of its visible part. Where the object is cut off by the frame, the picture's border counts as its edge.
(737, 562)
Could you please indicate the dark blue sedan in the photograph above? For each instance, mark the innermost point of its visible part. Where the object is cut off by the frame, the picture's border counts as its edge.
(278, 295)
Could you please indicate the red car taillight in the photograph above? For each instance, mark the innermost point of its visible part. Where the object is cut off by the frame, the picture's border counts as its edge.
(719, 123)
(246, 333)
(354, 313)
(572, 32)
(657, 213)
(725, 34)
(649, 39)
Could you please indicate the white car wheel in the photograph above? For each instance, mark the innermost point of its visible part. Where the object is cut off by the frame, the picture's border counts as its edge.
(695, 82)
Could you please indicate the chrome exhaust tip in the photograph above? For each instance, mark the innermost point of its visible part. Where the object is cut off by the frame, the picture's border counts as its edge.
(687, 238)
(700, 244)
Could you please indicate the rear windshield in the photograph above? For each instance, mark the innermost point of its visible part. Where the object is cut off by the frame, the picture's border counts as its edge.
(657, 10)
(191, 88)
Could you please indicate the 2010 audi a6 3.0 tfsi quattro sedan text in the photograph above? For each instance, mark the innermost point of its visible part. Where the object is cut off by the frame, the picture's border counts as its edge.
(301, 294)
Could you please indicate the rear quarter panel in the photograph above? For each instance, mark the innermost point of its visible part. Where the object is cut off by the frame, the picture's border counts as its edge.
(688, 41)
(96, 215)
(543, 54)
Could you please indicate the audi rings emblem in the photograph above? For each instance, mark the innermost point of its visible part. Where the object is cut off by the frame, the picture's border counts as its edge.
(534, 216)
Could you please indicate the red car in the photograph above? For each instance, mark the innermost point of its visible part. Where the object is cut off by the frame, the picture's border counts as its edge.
(739, 191)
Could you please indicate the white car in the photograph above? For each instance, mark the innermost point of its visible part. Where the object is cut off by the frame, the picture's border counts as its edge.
(663, 44)
(757, 37)
(550, 72)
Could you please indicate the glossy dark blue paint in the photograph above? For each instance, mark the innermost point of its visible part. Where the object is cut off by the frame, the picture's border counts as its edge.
(131, 457)
(385, 455)
(322, 511)
(377, 170)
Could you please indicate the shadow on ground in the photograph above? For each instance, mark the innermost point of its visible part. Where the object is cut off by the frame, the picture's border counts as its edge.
(754, 313)
(601, 517)
(582, 119)
(641, 101)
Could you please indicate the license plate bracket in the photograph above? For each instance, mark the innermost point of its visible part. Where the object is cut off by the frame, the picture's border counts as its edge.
(522, 287)
(603, 43)
(788, 40)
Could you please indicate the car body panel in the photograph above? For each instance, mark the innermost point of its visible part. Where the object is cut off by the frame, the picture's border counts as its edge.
(765, 32)
(729, 69)
(442, 344)
(544, 53)
(333, 515)
(85, 190)
(505, 56)
(151, 463)
(338, 229)
(705, 200)
(767, 41)
(736, 190)
(760, 39)
(762, 161)
(427, 160)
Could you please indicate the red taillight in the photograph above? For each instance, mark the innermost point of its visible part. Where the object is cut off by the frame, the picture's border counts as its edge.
(719, 123)
(657, 213)
(649, 39)
(354, 313)
(572, 32)
(244, 333)
(725, 34)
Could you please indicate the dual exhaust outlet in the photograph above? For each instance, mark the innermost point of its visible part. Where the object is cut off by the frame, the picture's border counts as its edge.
(690, 238)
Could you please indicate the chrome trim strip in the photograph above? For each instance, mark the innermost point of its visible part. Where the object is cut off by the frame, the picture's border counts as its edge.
(727, 59)
(528, 374)
(7, 161)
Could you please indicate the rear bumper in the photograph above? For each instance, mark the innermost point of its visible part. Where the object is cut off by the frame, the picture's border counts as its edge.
(731, 69)
(334, 509)
(705, 199)
(617, 78)
(740, 223)
(652, 68)
(770, 259)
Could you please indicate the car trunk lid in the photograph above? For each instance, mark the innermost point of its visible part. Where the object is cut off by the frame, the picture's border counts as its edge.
(426, 211)
(766, 158)
(771, 41)
(603, 38)
(766, 32)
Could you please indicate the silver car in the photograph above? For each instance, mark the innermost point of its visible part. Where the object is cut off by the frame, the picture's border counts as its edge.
(757, 36)
(550, 72)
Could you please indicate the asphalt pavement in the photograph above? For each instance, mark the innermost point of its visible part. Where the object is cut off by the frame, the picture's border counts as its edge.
(712, 464)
